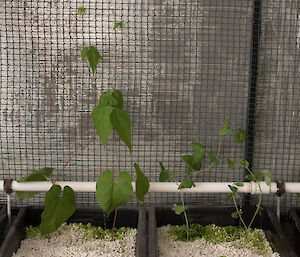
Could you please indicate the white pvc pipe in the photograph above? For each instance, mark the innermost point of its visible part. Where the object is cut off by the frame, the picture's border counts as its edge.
(200, 187)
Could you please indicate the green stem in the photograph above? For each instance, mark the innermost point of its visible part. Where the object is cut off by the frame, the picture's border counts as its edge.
(257, 207)
(217, 156)
(238, 213)
(185, 216)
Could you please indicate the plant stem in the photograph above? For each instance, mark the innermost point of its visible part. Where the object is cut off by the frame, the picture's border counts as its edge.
(238, 213)
(185, 216)
(114, 224)
(217, 156)
(257, 207)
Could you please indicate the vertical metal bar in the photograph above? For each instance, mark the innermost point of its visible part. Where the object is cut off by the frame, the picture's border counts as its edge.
(256, 25)
(278, 208)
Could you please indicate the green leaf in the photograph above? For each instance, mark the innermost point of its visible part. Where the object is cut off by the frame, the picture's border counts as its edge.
(224, 131)
(233, 189)
(141, 184)
(110, 195)
(188, 159)
(239, 136)
(120, 120)
(102, 122)
(226, 122)
(162, 167)
(57, 210)
(212, 158)
(118, 25)
(254, 177)
(81, 10)
(231, 164)
(239, 184)
(267, 175)
(37, 175)
(197, 147)
(236, 214)
(92, 55)
(112, 98)
(178, 209)
(244, 163)
(166, 175)
(186, 183)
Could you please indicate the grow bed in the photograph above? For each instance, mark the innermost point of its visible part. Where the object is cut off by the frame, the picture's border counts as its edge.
(126, 217)
(161, 216)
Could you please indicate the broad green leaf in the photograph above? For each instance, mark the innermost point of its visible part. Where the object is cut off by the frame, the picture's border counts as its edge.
(81, 10)
(188, 159)
(178, 209)
(57, 210)
(231, 164)
(197, 147)
(239, 136)
(112, 98)
(197, 160)
(92, 55)
(244, 163)
(102, 122)
(120, 120)
(37, 175)
(212, 158)
(254, 177)
(110, 195)
(141, 184)
(267, 175)
(118, 25)
(186, 183)
(224, 131)
(166, 175)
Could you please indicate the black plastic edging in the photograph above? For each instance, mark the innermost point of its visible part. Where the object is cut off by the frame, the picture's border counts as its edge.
(127, 217)
(160, 216)
(294, 215)
(256, 26)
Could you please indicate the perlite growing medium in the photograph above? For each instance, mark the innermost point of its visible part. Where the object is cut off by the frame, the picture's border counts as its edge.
(168, 247)
(78, 240)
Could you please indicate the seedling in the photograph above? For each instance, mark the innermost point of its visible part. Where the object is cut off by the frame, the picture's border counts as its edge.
(194, 165)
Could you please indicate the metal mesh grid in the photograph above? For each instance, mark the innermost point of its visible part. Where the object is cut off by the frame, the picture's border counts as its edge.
(182, 66)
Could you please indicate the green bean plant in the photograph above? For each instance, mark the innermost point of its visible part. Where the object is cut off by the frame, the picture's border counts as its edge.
(107, 115)
(255, 178)
(194, 164)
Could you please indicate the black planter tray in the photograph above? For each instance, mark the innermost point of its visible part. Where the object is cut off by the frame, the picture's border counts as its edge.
(161, 216)
(292, 228)
(127, 217)
(4, 226)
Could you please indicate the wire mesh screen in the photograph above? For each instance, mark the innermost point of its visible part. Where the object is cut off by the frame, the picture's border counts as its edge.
(182, 66)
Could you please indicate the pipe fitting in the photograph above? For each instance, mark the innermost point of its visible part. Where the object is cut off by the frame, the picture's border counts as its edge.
(280, 188)
(7, 186)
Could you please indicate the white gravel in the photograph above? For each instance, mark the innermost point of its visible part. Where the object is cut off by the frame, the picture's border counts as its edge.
(199, 248)
(70, 242)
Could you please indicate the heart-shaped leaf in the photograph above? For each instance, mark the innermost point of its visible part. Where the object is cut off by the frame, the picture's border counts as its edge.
(57, 210)
(37, 175)
(165, 175)
(101, 118)
(120, 120)
(244, 163)
(92, 55)
(112, 98)
(239, 136)
(186, 183)
(141, 184)
(110, 195)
